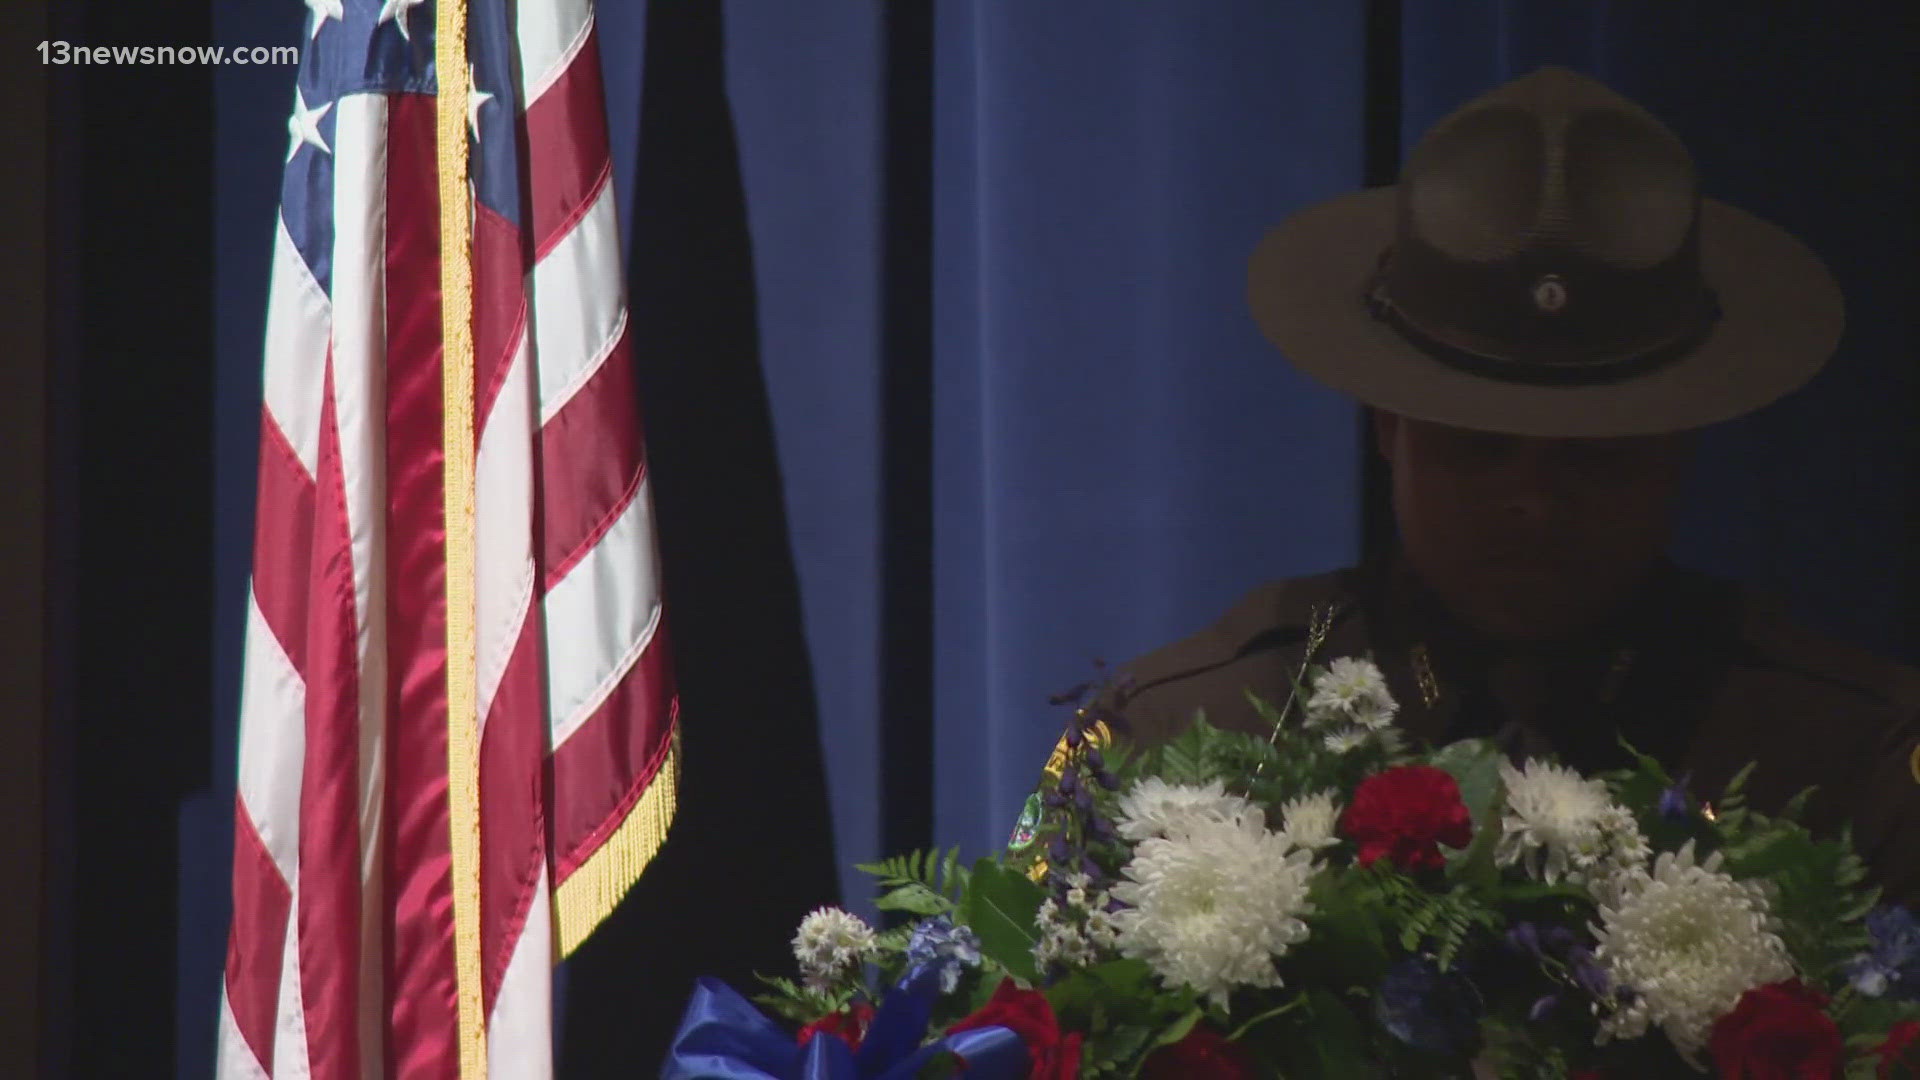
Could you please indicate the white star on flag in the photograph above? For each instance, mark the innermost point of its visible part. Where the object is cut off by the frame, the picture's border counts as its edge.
(395, 11)
(304, 125)
(476, 97)
(322, 11)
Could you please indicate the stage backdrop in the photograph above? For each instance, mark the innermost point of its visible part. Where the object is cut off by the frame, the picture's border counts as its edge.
(950, 388)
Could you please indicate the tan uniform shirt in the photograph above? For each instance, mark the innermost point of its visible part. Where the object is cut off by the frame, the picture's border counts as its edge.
(1696, 672)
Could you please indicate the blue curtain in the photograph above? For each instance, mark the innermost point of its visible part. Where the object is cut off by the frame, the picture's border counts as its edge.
(1118, 455)
(951, 389)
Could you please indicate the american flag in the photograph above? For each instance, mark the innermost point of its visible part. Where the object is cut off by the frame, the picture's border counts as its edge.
(344, 958)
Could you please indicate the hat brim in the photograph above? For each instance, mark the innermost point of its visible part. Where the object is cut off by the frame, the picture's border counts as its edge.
(1781, 318)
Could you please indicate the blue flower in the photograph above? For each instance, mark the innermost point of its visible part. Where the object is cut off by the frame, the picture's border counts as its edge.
(1429, 1009)
(1676, 803)
(1524, 937)
(1530, 939)
(1891, 968)
(948, 947)
(1588, 975)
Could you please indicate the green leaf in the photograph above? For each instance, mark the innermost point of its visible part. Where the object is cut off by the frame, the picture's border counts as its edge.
(1278, 1010)
(914, 877)
(1177, 1030)
(800, 1004)
(1110, 1050)
(1736, 787)
(1526, 892)
(916, 899)
(1001, 906)
(1124, 986)
(1263, 709)
(1474, 765)
(1797, 805)
(955, 877)
(1348, 946)
(1338, 1048)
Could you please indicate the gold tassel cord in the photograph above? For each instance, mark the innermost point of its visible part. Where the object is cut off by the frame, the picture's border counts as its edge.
(456, 323)
(590, 893)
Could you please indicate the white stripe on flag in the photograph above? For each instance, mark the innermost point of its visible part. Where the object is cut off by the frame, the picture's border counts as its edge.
(578, 306)
(359, 392)
(360, 331)
(504, 527)
(235, 1060)
(290, 1060)
(296, 349)
(601, 617)
(520, 1031)
(273, 742)
(549, 34)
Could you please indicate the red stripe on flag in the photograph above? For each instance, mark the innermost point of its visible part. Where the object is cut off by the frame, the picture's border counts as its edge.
(283, 540)
(513, 846)
(592, 457)
(567, 152)
(329, 911)
(257, 940)
(606, 765)
(423, 1037)
(499, 306)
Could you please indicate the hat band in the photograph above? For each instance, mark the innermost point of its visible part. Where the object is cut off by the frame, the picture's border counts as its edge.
(1535, 373)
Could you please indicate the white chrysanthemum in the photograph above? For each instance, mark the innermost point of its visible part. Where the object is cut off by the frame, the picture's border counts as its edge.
(1687, 941)
(1153, 807)
(831, 942)
(1215, 903)
(1351, 689)
(1347, 739)
(1562, 825)
(1374, 716)
(1309, 821)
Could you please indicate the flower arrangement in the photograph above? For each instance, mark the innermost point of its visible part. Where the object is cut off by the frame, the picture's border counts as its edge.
(1326, 902)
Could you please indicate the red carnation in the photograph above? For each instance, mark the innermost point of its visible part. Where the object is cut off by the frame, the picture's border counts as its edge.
(849, 1026)
(1405, 814)
(1780, 1031)
(1027, 1014)
(1900, 1054)
(1204, 1053)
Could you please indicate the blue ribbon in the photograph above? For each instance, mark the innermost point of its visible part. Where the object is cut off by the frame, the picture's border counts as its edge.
(723, 1037)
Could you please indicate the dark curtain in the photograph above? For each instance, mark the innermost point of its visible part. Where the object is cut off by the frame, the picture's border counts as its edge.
(752, 844)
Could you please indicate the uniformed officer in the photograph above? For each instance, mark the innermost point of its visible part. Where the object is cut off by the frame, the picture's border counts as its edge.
(1538, 314)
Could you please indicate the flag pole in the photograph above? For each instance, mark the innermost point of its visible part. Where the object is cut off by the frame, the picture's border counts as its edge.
(463, 730)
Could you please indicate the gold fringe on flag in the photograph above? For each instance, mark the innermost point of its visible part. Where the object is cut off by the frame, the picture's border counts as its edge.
(463, 727)
(591, 892)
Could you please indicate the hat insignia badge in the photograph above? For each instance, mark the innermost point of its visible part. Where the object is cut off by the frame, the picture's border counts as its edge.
(1550, 294)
